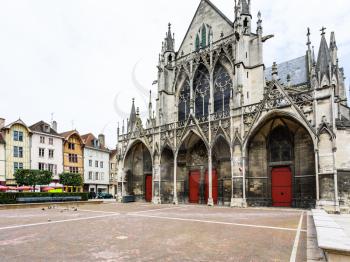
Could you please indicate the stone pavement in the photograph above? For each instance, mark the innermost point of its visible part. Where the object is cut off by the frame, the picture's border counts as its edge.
(145, 232)
(344, 221)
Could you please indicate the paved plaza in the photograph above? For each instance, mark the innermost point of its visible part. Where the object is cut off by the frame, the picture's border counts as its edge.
(145, 232)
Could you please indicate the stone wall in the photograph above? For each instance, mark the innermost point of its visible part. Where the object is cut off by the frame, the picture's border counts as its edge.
(167, 176)
(344, 187)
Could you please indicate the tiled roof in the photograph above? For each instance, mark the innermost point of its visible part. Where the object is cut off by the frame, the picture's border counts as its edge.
(89, 139)
(17, 122)
(68, 133)
(113, 152)
(295, 68)
(41, 127)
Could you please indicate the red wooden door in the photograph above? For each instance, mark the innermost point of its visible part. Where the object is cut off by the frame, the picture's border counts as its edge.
(282, 187)
(214, 186)
(148, 195)
(194, 180)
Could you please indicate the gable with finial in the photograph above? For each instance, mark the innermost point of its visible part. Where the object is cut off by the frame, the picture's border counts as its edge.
(207, 22)
(192, 125)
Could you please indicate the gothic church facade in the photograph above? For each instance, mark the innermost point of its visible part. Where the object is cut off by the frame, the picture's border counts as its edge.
(229, 131)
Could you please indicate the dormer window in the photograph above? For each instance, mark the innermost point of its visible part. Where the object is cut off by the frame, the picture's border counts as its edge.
(95, 143)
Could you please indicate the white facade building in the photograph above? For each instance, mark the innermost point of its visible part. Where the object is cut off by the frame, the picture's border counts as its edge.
(96, 164)
(46, 148)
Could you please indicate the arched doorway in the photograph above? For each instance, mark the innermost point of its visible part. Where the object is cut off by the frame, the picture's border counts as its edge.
(192, 170)
(138, 169)
(281, 165)
(222, 171)
(167, 175)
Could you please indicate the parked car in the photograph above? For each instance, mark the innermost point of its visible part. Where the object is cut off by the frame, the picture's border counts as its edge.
(103, 195)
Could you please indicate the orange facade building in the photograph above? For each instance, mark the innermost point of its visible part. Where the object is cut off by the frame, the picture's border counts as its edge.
(73, 153)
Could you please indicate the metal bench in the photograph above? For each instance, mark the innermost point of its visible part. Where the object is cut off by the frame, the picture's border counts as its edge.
(48, 199)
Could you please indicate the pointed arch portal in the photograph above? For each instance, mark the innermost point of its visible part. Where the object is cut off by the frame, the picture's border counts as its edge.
(221, 156)
(192, 164)
(281, 165)
(138, 172)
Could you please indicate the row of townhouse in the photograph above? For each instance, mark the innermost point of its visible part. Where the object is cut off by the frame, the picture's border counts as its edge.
(40, 146)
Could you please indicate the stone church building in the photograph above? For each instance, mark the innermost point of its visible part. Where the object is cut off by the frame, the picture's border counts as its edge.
(227, 130)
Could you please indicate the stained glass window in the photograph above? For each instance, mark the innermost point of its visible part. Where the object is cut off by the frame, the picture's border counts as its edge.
(197, 43)
(280, 145)
(184, 101)
(204, 36)
(222, 89)
(201, 88)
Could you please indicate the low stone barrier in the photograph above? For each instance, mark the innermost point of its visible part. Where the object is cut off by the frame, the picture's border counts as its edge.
(36, 205)
(331, 237)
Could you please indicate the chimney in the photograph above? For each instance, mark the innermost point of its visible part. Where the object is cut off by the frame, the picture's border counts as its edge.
(54, 125)
(101, 140)
(2, 123)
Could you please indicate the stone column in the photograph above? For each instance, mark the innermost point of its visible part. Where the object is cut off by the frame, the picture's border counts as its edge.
(243, 177)
(210, 179)
(317, 178)
(211, 86)
(232, 175)
(336, 193)
(122, 178)
(156, 182)
(175, 201)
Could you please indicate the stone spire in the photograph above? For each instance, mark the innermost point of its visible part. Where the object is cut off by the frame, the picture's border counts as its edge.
(150, 105)
(310, 59)
(324, 56)
(259, 28)
(274, 71)
(308, 43)
(169, 43)
(333, 49)
(132, 119)
(245, 7)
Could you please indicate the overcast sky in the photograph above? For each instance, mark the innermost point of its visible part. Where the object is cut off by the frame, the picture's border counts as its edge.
(83, 59)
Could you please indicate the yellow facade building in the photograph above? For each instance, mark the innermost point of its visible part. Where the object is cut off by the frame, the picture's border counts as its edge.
(17, 149)
(73, 153)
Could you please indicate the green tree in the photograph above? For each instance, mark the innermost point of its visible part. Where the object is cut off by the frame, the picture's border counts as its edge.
(71, 179)
(29, 177)
(21, 176)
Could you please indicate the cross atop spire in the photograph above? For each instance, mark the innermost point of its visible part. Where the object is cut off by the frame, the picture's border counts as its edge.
(323, 29)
